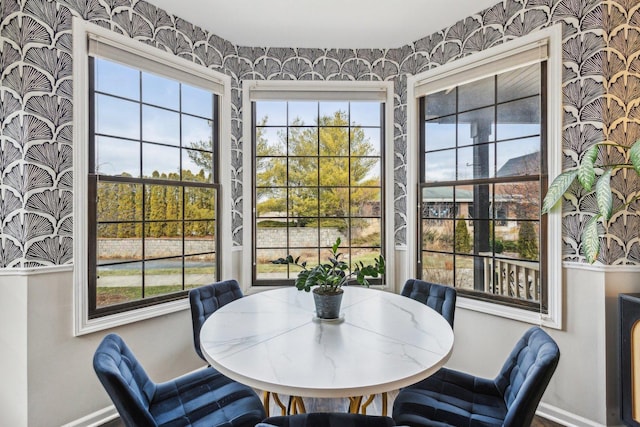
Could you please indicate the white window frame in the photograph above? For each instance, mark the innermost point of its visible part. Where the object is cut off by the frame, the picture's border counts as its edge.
(82, 30)
(316, 91)
(480, 65)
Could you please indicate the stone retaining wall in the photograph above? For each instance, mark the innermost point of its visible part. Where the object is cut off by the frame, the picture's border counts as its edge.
(160, 247)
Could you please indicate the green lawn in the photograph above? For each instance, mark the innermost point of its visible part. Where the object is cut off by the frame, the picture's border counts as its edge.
(157, 271)
(108, 295)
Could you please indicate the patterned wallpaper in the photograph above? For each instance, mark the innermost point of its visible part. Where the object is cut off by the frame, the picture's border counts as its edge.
(601, 84)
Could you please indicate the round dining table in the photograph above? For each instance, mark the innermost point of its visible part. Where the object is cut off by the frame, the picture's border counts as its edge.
(272, 341)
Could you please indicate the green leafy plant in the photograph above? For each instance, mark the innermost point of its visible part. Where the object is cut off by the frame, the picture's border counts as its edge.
(331, 276)
(590, 175)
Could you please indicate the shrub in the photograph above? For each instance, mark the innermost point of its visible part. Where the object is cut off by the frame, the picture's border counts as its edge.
(527, 242)
(496, 246)
(462, 237)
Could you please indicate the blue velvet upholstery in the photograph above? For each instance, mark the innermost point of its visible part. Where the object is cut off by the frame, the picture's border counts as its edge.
(439, 297)
(326, 419)
(452, 398)
(207, 299)
(201, 398)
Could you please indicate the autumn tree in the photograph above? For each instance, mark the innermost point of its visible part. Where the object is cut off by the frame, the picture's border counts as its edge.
(328, 169)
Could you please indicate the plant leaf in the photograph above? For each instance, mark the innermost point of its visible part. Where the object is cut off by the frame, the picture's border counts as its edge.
(586, 170)
(334, 247)
(591, 240)
(634, 155)
(557, 188)
(603, 194)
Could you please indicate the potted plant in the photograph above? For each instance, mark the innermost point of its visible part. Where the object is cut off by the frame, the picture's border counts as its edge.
(328, 279)
(588, 174)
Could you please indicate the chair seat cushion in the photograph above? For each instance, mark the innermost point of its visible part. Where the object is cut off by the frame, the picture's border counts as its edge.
(205, 398)
(450, 398)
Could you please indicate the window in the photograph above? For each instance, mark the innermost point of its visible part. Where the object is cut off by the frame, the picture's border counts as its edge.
(318, 176)
(151, 179)
(484, 164)
(482, 152)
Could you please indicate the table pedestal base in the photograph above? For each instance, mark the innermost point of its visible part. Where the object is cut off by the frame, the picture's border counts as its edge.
(296, 404)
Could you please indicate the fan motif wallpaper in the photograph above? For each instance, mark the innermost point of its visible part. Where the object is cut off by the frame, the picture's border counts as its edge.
(601, 101)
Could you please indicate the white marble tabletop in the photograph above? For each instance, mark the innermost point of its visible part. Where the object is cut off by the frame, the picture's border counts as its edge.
(272, 341)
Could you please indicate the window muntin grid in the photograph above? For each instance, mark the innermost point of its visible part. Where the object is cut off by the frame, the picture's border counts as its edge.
(153, 179)
(318, 175)
(482, 168)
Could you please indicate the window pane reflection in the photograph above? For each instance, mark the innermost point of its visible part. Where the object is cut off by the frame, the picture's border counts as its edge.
(365, 113)
(117, 79)
(272, 113)
(440, 133)
(160, 125)
(197, 133)
(197, 101)
(160, 161)
(519, 118)
(117, 117)
(160, 91)
(303, 113)
(440, 166)
(479, 93)
(117, 157)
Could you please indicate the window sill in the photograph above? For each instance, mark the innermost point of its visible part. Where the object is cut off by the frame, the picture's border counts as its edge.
(512, 313)
(88, 326)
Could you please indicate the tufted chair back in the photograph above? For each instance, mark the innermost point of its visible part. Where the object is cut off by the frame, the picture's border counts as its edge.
(125, 380)
(526, 374)
(207, 299)
(439, 297)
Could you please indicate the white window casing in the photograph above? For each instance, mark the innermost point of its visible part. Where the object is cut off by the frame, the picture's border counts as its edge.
(92, 40)
(255, 90)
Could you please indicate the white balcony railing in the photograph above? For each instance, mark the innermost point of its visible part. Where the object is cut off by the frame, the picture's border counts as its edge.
(512, 278)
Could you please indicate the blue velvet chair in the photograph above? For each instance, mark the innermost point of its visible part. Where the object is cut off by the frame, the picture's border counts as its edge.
(439, 297)
(326, 419)
(452, 398)
(201, 398)
(207, 299)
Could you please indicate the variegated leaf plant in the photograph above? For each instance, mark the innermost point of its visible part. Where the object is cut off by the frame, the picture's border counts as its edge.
(588, 174)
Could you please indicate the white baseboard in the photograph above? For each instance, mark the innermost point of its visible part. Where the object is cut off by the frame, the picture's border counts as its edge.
(563, 417)
(95, 419)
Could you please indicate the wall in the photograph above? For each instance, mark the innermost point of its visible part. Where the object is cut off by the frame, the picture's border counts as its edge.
(577, 391)
(584, 388)
(36, 221)
(48, 379)
(13, 342)
(600, 71)
(62, 387)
